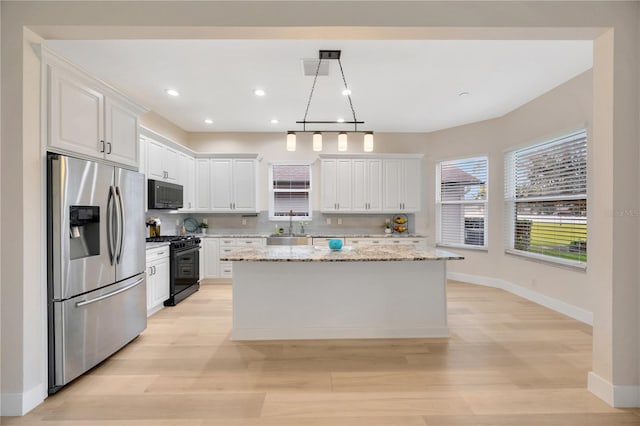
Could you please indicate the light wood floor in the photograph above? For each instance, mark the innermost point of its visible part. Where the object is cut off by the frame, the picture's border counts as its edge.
(509, 362)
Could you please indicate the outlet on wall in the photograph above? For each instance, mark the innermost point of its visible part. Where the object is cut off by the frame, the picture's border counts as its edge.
(339, 221)
(244, 221)
(328, 221)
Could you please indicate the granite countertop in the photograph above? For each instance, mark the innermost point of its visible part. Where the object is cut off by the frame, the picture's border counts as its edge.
(347, 254)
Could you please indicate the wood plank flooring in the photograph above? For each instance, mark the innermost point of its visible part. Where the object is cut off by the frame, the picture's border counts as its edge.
(508, 362)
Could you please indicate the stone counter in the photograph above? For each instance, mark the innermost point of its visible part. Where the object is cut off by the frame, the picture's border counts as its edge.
(347, 254)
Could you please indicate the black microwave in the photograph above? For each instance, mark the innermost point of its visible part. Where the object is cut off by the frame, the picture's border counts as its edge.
(164, 195)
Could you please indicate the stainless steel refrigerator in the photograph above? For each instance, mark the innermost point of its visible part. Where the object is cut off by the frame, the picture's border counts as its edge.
(96, 263)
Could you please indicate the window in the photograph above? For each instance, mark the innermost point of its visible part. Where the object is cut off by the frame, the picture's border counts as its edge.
(290, 191)
(461, 202)
(546, 200)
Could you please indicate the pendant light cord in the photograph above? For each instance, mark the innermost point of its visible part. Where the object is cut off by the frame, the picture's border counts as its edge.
(306, 112)
(353, 111)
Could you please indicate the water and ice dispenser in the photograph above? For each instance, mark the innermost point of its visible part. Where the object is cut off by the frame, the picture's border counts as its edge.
(84, 231)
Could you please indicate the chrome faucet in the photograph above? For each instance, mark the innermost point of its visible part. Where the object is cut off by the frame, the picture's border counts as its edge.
(290, 222)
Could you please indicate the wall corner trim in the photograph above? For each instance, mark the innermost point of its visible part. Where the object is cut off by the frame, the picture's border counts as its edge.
(619, 396)
(567, 309)
(19, 404)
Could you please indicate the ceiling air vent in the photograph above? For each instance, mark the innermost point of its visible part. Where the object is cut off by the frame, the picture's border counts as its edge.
(309, 67)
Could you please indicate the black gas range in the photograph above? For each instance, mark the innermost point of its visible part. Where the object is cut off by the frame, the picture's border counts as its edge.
(184, 267)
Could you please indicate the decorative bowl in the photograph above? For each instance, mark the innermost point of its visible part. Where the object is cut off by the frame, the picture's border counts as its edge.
(335, 244)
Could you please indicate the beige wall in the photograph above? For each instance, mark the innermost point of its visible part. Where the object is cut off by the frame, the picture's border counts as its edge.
(615, 130)
(164, 127)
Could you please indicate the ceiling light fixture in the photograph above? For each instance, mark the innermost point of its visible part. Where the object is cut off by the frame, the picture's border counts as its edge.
(274, 121)
(259, 92)
(208, 121)
(172, 92)
(317, 134)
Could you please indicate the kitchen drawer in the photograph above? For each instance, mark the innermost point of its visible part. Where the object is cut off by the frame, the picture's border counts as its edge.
(225, 269)
(157, 253)
(242, 242)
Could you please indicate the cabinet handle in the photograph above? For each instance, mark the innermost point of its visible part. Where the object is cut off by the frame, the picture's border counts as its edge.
(101, 146)
(108, 147)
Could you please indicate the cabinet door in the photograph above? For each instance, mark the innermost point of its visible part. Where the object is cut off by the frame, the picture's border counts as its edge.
(244, 185)
(374, 186)
(211, 258)
(203, 184)
(392, 185)
(150, 287)
(170, 164)
(76, 114)
(412, 184)
(121, 133)
(161, 281)
(221, 184)
(328, 190)
(359, 192)
(155, 160)
(343, 185)
(189, 182)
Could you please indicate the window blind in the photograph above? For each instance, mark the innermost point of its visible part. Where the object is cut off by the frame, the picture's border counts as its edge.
(546, 198)
(461, 202)
(290, 190)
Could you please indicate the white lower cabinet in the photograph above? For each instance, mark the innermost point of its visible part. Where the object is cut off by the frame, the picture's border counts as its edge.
(211, 258)
(364, 241)
(229, 244)
(157, 278)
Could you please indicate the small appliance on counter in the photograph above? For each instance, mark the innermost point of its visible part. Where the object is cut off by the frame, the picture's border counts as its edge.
(153, 223)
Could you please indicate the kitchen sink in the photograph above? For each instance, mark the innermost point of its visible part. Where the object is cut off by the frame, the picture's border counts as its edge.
(287, 240)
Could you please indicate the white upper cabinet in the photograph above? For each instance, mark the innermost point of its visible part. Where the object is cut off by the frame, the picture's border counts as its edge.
(187, 178)
(366, 185)
(336, 185)
(86, 117)
(162, 162)
(401, 185)
(203, 184)
(380, 184)
(233, 185)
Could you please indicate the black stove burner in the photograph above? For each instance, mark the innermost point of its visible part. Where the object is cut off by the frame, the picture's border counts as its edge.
(178, 242)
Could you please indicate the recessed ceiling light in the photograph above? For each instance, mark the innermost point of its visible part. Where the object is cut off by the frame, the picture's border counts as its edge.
(340, 120)
(172, 92)
(274, 121)
(208, 121)
(259, 92)
(346, 92)
(463, 94)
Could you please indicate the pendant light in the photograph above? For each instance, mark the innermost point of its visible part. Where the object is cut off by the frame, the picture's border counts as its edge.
(317, 141)
(317, 134)
(368, 142)
(342, 141)
(291, 141)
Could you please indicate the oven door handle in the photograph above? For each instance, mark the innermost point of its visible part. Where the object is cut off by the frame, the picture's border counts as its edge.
(106, 296)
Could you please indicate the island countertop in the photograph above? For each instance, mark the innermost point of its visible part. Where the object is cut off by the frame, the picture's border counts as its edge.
(347, 254)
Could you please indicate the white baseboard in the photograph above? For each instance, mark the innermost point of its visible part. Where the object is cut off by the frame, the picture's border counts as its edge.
(567, 309)
(19, 404)
(304, 333)
(619, 396)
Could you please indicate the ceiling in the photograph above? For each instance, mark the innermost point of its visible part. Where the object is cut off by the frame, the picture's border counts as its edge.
(397, 85)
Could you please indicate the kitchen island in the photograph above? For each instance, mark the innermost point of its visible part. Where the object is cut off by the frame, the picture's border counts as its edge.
(311, 292)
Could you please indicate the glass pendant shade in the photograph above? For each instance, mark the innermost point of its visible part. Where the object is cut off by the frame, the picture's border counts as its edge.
(342, 141)
(291, 141)
(317, 141)
(368, 142)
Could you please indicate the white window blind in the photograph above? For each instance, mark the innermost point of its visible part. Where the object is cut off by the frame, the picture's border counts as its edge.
(461, 200)
(290, 190)
(546, 199)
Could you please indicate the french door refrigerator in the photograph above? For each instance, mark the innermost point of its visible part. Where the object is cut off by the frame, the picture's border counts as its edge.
(96, 283)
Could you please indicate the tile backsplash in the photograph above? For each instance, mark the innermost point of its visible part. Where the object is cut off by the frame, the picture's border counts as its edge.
(260, 224)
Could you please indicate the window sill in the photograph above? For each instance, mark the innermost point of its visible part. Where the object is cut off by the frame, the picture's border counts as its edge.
(540, 258)
(463, 247)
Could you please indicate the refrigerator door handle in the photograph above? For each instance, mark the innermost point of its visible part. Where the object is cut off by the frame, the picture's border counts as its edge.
(120, 224)
(108, 295)
(110, 242)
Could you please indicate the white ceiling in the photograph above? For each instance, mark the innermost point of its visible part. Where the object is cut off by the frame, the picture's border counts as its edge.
(397, 85)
